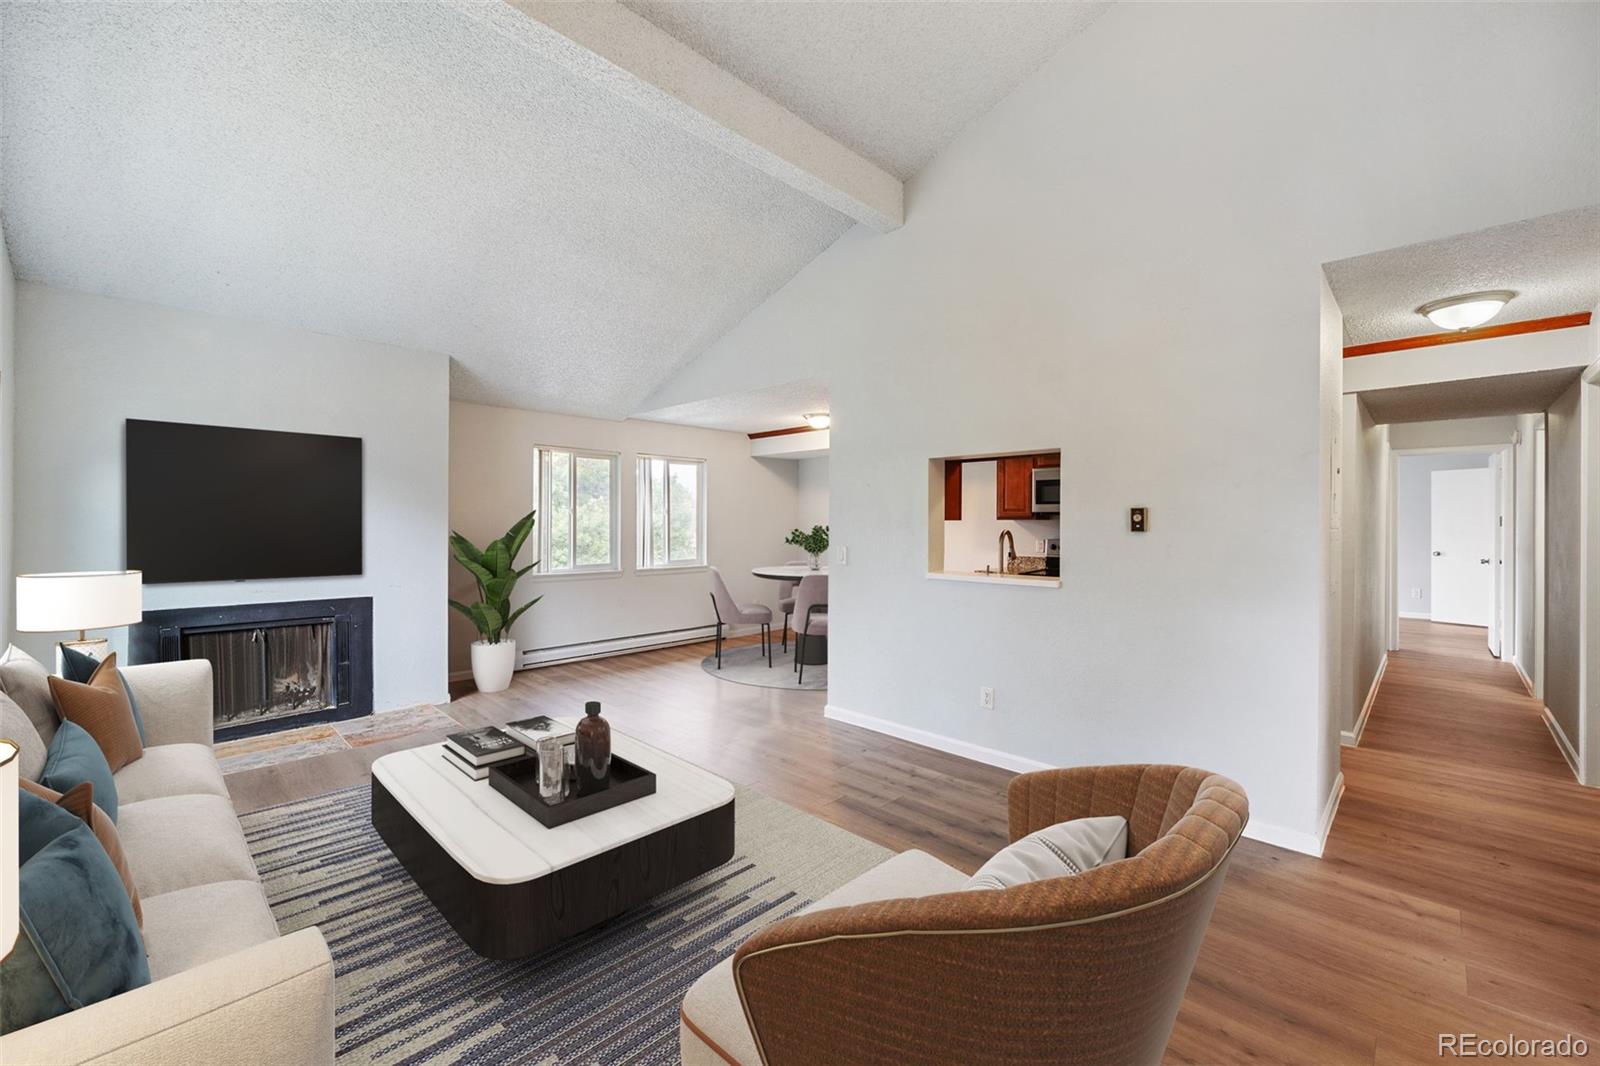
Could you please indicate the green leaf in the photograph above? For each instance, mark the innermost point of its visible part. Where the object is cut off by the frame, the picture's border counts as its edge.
(482, 575)
(497, 558)
(517, 535)
(518, 612)
(489, 621)
(462, 548)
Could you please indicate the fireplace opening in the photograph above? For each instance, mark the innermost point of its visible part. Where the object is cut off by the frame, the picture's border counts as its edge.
(273, 665)
(267, 671)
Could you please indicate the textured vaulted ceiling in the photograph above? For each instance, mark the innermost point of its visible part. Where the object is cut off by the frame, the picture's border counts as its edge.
(756, 411)
(895, 81)
(401, 172)
(1552, 263)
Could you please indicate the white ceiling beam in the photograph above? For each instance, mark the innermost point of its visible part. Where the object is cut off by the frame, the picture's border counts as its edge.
(610, 45)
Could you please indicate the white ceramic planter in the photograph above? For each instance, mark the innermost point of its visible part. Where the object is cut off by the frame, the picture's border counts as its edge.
(492, 664)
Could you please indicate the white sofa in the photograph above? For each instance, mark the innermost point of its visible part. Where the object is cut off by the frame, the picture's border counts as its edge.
(225, 987)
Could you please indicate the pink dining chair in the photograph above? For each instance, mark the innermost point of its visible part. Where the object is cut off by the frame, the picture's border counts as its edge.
(730, 611)
(810, 617)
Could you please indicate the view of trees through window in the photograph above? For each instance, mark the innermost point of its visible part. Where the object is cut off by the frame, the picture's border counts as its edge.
(576, 518)
(670, 526)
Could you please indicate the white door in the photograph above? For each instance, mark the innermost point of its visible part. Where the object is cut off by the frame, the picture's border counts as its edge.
(1462, 515)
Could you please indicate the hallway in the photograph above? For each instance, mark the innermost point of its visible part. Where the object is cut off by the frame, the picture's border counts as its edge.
(1458, 795)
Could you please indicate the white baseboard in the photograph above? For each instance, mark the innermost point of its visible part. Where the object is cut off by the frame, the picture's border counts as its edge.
(1423, 616)
(1292, 839)
(1352, 737)
(1296, 839)
(1568, 752)
(1527, 682)
(936, 741)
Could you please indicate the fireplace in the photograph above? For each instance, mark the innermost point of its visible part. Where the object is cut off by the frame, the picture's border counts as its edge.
(274, 665)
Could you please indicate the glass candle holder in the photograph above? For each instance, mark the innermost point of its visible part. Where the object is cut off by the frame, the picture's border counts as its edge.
(552, 770)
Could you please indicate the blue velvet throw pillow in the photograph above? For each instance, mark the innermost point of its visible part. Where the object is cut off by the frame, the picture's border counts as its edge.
(76, 666)
(79, 942)
(74, 757)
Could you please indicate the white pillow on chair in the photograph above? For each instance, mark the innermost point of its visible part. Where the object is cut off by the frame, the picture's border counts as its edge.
(1065, 849)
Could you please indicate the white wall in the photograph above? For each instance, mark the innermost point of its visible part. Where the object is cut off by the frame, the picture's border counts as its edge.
(1137, 231)
(1528, 531)
(751, 507)
(86, 363)
(1364, 542)
(811, 506)
(974, 542)
(1564, 564)
(8, 432)
(1414, 524)
(1453, 433)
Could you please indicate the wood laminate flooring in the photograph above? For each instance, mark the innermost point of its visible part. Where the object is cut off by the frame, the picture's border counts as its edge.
(1459, 891)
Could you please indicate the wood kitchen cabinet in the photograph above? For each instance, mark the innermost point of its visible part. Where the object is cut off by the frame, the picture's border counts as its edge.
(1014, 484)
(1014, 487)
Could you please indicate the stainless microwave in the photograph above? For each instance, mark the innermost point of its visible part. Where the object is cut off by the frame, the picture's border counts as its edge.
(1047, 490)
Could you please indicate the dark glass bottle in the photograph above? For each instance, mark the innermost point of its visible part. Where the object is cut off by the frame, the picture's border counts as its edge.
(594, 750)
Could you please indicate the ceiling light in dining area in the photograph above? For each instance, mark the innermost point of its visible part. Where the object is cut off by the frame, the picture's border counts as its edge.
(819, 421)
(1465, 312)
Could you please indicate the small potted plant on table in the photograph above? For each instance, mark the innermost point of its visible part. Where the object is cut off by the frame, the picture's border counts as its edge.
(813, 543)
(494, 656)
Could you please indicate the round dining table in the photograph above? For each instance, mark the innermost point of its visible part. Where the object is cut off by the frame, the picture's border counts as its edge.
(816, 647)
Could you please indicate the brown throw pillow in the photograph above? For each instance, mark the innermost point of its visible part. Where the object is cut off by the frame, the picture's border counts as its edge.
(80, 801)
(101, 707)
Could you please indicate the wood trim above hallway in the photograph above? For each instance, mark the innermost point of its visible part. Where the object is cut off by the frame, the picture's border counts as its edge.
(1505, 329)
(783, 432)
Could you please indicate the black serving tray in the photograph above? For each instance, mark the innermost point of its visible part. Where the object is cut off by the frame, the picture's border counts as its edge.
(518, 781)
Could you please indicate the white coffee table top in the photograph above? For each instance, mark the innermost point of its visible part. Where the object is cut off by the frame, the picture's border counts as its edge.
(496, 841)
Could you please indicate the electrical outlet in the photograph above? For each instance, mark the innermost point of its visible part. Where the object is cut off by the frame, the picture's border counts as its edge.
(1038, 547)
(1416, 594)
(986, 698)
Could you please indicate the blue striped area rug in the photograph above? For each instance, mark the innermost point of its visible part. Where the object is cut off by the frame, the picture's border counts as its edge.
(409, 991)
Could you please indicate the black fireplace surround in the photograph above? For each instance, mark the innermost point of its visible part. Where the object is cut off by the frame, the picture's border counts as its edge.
(275, 665)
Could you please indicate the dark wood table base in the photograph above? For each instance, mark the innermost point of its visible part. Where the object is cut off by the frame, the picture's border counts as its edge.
(517, 920)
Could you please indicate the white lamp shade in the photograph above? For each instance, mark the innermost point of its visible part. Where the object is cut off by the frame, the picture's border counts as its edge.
(9, 842)
(100, 599)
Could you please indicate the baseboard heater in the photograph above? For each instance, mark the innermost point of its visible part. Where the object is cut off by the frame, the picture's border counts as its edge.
(599, 649)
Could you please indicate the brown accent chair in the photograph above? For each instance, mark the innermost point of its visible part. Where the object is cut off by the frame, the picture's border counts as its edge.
(900, 966)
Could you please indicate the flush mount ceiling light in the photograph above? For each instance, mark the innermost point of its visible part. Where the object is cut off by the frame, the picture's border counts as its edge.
(819, 421)
(1465, 312)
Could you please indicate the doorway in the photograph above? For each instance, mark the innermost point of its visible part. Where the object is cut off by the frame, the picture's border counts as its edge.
(1462, 521)
(1453, 529)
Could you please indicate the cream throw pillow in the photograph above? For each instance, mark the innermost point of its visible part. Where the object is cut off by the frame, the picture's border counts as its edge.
(1065, 849)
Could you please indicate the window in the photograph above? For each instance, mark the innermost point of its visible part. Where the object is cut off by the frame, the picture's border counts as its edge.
(672, 512)
(576, 494)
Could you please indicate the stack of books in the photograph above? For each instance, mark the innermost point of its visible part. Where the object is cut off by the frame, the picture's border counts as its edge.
(532, 730)
(474, 751)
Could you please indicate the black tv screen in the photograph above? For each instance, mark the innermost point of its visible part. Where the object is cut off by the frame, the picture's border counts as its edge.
(214, 503)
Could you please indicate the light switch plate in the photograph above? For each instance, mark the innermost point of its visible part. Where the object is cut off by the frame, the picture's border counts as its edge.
(844, 555)
(1138, 519)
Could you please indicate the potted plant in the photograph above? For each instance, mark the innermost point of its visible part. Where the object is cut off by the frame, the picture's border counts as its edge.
(813, 543)
(494, 656)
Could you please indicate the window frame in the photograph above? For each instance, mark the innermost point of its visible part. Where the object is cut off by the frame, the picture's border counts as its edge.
(642, 481)
(542, 482)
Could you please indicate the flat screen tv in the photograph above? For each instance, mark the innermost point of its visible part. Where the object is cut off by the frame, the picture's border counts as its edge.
(214, 503)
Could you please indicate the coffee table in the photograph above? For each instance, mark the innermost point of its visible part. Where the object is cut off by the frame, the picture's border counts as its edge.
(511, 887)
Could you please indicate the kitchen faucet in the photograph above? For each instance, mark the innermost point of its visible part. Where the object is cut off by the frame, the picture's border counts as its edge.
(1007, 557)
